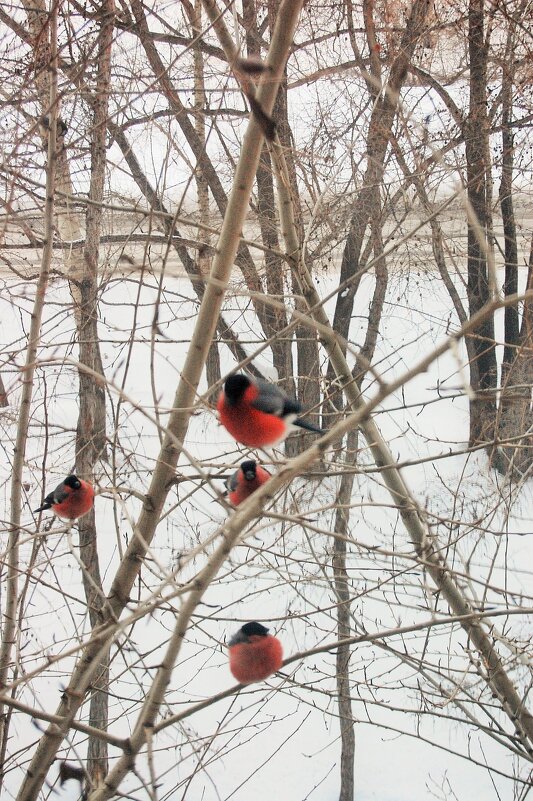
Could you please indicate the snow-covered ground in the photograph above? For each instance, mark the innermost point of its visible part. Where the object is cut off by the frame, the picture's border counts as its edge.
(280, 737)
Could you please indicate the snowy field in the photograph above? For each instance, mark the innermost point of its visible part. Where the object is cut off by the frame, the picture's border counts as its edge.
(280, 737)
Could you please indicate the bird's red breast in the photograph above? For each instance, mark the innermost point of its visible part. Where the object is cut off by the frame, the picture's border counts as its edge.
(255, 660)
(248, 425)
(77, 503)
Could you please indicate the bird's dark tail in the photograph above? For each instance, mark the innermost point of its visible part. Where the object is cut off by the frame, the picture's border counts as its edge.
(308, 426)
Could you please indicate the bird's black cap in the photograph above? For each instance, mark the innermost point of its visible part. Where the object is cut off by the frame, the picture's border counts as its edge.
(235, 387)
(254, 628)
(247, 631)
(249, 469)
(72, 481)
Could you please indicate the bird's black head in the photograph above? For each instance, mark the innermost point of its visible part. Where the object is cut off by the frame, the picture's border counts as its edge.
(247, 631)
(254, 628)
(248, 470)
(235, 387)
(73, 482)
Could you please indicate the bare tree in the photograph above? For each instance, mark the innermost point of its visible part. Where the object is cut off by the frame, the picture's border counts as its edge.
(302, 191)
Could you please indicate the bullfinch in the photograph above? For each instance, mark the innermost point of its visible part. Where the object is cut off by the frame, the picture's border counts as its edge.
(249, 477)
(257, 413)
(254, 654)
(70, 499)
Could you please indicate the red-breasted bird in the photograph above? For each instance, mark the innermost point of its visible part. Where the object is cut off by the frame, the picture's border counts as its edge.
(254, 654)
(258, 413)
(70, 499)
(249, 477)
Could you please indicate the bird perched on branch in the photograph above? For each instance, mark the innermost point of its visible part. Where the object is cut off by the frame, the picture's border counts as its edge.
(70, 499)
(249, 477)
(257, 413)
(44, 127)
(254, 654)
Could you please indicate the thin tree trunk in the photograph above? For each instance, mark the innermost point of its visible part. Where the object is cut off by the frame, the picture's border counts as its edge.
(275, 266)
(91, 431)
(308, 364)
(343, 593)
(510, 287)
(380, 290)
(483, 380)
(515, 416)
(308, 361)
(212, 366)
(514, 413)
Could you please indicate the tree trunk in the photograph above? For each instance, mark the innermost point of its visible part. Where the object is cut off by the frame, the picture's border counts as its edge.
(308, 361)
(275, 266)
(484, 379)
(514, 454)
(212, 365)
(343, 594)
(91, 430)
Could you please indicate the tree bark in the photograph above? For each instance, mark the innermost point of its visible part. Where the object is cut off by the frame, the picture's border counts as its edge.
(212, 366)
(91, 430)
(308, 388)
(484, 378)
(344, 631)
(515, 415)
(275, 266)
